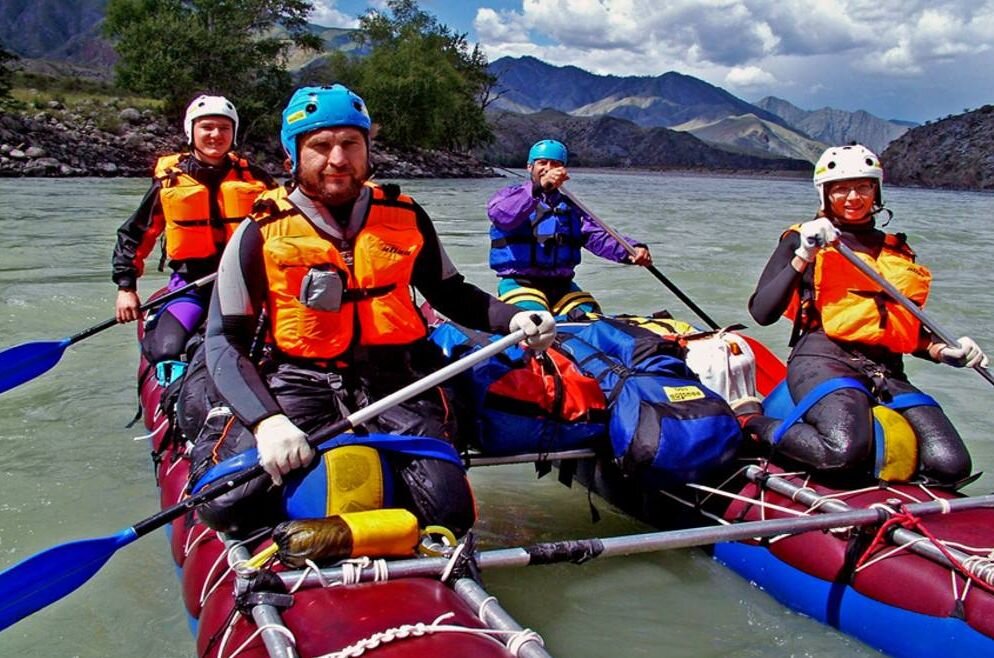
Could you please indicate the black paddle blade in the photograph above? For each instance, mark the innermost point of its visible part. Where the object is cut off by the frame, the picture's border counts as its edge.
(43, 579)
(22, 363)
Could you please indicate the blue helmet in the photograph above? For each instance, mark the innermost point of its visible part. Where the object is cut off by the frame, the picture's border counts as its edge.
(312, 108)
(547, 149)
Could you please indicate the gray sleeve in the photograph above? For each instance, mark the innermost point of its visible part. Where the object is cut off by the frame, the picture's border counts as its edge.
(233, 321)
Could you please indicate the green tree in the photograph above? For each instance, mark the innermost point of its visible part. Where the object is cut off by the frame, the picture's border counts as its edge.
(172, 49)
(6, 72)
(423, 83)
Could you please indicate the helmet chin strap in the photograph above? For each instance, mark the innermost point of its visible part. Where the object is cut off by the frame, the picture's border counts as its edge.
(880, 209)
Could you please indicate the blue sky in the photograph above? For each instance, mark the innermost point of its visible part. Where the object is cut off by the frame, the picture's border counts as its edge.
(898, 59)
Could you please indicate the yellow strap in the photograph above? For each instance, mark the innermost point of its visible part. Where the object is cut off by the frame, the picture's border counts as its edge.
(523, 294)
(258, 560)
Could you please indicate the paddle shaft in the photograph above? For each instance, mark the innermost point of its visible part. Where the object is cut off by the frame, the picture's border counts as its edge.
(901, 299)
(152, 303)
(345, 424)
(582, 550)
(652, 268)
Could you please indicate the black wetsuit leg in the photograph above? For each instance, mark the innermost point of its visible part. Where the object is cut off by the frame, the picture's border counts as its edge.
(836, 433)
(942, 456)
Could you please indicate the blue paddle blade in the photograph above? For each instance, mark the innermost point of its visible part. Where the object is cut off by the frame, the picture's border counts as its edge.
(43, 579)
(23, 363)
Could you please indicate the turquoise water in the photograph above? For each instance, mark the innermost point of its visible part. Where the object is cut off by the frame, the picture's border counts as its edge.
(69, 468)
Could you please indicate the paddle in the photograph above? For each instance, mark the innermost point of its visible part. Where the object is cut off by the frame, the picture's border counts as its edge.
(22, 363)
(582, 550)
(652, 268)
(913, 308)
(42, 579)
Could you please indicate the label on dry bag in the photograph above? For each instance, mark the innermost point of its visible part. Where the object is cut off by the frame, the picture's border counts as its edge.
(683, 393)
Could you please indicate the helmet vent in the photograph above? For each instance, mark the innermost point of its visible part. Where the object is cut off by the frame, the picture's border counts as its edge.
(831, 165)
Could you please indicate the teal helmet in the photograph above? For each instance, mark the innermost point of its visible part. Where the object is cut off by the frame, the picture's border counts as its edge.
(312, 108)
(547, 149)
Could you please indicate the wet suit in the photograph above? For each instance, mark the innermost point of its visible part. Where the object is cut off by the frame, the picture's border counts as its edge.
(837, 432)
(314, 394)
(167, 333)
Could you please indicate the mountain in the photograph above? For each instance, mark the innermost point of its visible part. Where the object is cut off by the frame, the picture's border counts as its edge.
(952, 153)
(607, 141)
(527, 84)
(750, 134)
(833, 126)
(671, 100)
(56, 29)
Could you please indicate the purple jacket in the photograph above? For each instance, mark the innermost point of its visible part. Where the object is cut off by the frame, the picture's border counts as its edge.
(512, 205)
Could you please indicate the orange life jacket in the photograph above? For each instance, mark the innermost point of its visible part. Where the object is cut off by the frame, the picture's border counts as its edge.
(852, 308)
(191, 232)
(377, 301)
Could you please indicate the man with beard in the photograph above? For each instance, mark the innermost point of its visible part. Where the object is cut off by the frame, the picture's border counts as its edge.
(322, 273)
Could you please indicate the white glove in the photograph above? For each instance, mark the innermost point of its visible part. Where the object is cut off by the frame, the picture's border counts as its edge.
(968, 354)
(282, 446)
(539, 328)
(814, 235)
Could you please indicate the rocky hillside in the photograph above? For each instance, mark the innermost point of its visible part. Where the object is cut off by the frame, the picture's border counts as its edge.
(832, 126)
(107, 138)
(606, 141)
(56, 29)
(956, 152)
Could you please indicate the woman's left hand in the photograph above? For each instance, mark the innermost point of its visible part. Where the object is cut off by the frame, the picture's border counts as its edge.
(967, 355)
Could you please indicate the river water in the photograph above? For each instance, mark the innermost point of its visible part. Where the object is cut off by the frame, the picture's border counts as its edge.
(69, 468)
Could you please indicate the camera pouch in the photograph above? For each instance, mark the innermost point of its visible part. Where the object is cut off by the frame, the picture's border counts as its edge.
(322, 289)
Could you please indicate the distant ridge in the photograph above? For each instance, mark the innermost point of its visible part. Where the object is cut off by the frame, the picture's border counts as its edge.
(607, 141)
(832, 126)
(528, 84)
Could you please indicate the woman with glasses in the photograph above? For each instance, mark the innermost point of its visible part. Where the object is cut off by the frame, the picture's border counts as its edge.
(849, 336)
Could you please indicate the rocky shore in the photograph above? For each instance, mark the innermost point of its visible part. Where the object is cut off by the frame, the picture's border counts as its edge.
(97, 138)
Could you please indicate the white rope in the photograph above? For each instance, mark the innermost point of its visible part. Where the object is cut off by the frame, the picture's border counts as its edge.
(303, 576)
(450, 565)
(515, 639)
(752, 501)
(483, 606)
(155, 430)
(235, 565)
(883, 555)
(189, 546)
(279, 628)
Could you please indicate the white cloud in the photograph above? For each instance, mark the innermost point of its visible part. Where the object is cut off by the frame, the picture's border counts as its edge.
(500, 27)
(751, 43)
(325, 14)
(749, 76)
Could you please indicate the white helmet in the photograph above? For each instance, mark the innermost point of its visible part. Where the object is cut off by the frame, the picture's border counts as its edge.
(846, 162)
(208, 106)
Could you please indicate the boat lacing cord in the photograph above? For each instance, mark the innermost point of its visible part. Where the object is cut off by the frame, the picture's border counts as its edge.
(351, 572)
(279, 628)
(982, 576)
(155, 430)
(516, 639)
(210, 583)
(188, 545)
(699, 504)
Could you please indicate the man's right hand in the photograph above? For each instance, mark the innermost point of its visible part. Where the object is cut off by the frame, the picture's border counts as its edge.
(554, 178)
(282, 446)
(127, 307)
